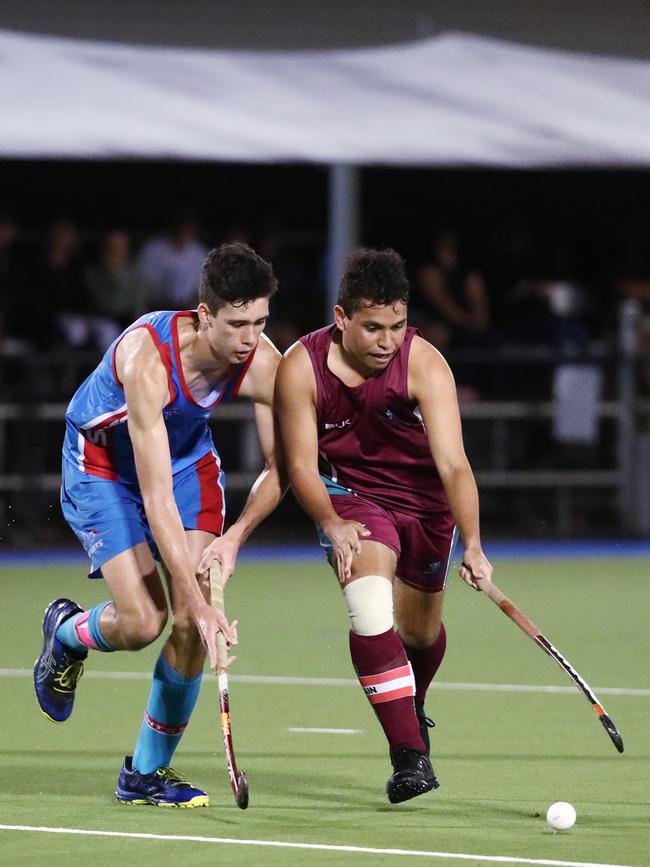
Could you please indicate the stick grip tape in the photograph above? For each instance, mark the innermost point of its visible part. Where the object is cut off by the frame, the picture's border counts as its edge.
(216, 598)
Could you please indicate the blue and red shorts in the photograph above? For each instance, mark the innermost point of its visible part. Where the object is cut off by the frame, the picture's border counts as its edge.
(108, 517)
(424, 546)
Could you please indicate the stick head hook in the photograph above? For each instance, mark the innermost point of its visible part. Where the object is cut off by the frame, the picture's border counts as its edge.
(242, 791)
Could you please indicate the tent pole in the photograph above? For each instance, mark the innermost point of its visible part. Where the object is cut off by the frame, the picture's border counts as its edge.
(343, 230)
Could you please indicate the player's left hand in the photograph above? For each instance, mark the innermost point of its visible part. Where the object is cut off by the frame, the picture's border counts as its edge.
(475, 565)
(345, 537)
(224, 549)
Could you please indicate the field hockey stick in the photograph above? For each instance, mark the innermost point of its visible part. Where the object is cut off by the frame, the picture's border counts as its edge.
(490, 589)
(238, 779)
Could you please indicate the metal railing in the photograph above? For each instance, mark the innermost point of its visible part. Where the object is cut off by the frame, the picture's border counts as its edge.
(497, 433)
(503, 417)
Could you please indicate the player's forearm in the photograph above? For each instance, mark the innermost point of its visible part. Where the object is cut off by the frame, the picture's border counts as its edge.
(266, 493)
(462, 494)
(312, 495)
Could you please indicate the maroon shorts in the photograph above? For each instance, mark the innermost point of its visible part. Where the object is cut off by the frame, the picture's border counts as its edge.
(424, 546)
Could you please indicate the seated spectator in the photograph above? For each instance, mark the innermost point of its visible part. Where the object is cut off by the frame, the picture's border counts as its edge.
(452, 310)
(172, 264)
(59, 291)
(453, 294)
(66, 314)
(117, 289)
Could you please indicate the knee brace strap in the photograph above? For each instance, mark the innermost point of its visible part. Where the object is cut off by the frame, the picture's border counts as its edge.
(370, 604)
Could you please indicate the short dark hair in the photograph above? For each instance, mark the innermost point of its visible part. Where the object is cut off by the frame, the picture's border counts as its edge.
(377, 277)
(235, 274)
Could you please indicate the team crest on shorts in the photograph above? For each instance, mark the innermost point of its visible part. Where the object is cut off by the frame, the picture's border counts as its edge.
(432, 570)
(91, 541)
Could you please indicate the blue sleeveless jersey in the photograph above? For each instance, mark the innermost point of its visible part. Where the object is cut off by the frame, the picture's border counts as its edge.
(97, 440)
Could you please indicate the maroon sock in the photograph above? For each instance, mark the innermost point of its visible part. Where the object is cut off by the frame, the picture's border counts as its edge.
(385, 676)
(425, 662)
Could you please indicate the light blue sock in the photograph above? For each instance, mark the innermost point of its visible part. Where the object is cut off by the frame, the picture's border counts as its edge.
(171, 702)
(82, 631)
(67, 635)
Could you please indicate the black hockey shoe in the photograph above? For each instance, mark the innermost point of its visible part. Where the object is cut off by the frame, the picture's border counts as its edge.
(413, 775)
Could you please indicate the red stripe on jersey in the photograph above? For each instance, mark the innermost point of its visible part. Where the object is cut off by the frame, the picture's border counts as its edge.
(97, 462)
(402, 692)
(107, 422)
(210, 517)
(243, 372)
(163, 351)
(385, 676)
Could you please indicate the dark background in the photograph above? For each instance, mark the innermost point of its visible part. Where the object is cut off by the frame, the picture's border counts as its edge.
(588, 227)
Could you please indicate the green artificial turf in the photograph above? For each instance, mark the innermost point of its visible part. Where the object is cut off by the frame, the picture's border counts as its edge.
(502, 757)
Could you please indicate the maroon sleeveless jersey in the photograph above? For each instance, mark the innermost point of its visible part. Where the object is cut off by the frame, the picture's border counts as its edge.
(370, 439)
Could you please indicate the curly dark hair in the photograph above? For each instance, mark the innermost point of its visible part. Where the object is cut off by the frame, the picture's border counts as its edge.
(374, 277)
(235, 274)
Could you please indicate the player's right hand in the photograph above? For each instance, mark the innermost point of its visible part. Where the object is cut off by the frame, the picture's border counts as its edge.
(475, 566)
(209, 621)
(345, 537)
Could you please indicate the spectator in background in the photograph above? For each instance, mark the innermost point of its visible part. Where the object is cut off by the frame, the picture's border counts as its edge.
(555, 311)
(172, 264)
(452, 294)
(632, 283)
(511, 256)
(118, 291)
(293, 303)
(551, 307)
(65, 302)
(453, 309)
(59, 291)
(8, 234)
(10, 277)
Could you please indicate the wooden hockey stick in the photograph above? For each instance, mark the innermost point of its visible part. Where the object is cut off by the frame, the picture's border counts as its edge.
(238, 779)
(490, 589)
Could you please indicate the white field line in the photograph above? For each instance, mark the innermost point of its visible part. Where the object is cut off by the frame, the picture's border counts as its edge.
(339, 681)
(325, 731)
(322, 847)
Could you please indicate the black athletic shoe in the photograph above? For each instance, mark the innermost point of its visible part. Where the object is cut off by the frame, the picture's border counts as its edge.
(57, 669)
(413, 775)
(425, 724)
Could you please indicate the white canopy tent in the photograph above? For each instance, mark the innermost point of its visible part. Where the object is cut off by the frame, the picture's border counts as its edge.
(452, 100)
(449, 101)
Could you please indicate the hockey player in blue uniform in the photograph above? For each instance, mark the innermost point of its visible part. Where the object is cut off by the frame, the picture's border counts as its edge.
(142, 481)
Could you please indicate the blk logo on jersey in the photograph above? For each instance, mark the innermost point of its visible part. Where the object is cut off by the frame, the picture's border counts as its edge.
(98, 437)
(338, 425)
(390, 415)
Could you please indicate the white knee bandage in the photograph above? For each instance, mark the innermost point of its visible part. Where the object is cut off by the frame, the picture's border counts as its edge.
(370, 604)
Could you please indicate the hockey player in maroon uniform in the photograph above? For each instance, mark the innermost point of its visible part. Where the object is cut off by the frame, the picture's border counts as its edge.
(374, 450)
